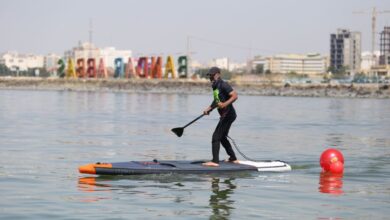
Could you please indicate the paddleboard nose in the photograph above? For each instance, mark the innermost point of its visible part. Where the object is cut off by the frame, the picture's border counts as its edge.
(89, 168)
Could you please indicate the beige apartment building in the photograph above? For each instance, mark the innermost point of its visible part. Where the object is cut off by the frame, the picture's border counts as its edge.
(308, 64)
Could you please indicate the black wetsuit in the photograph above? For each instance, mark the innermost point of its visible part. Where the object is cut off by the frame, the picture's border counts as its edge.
(221, 90)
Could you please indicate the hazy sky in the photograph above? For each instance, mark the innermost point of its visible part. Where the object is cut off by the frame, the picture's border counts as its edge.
(218, 27)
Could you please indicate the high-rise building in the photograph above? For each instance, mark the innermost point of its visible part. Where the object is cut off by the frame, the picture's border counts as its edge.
(384, 43)
(345, 51)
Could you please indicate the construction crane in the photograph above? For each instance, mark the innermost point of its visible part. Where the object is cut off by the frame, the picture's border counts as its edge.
(374, 14)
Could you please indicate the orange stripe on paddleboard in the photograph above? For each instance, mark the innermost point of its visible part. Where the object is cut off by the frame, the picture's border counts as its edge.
(91, 168)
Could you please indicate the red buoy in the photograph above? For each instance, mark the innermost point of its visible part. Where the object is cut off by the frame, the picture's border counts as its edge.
(332, 160)
(336, 167)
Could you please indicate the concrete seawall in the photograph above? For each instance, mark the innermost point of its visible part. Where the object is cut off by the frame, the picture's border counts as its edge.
(183, 86)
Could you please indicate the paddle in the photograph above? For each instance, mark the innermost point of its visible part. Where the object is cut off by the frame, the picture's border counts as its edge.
(179, 131)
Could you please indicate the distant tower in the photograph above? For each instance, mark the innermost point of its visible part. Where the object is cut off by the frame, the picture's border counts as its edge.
(90, 37)
(384, 58)
(90, 30)
(345, 51)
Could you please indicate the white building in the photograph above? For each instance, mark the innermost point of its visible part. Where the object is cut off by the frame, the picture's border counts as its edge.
(87, 50)
(51, 62)
(367, 61)
(21, 62)
(309, 64)
(226, 63)
(109, 54)
(83, 51)
(222, 63)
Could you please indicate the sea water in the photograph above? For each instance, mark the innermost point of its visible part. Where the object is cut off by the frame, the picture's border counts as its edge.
(46, 135)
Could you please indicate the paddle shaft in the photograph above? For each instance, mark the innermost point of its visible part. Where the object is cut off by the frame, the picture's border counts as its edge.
(200, 116)
(179, 131)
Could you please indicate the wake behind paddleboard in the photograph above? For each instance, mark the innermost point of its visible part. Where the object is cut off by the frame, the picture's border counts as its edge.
(183, 167)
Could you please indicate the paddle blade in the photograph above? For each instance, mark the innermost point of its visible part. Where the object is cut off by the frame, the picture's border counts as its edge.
(178, 131)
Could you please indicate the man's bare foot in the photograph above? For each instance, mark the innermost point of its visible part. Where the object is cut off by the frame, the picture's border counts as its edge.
(232, 161)
(210, 164)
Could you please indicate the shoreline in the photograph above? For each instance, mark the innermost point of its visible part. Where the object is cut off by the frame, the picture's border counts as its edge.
(188, 86)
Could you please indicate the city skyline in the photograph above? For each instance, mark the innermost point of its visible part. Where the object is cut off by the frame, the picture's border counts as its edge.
(239, 30)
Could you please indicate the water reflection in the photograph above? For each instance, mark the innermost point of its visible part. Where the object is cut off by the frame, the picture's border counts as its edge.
(89, 184)
(220, 202)
(331, 183)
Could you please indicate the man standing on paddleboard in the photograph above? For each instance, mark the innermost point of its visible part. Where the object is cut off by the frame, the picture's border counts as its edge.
(224, 96)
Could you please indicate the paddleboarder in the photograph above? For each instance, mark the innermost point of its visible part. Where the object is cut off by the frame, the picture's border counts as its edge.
(224, 96)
